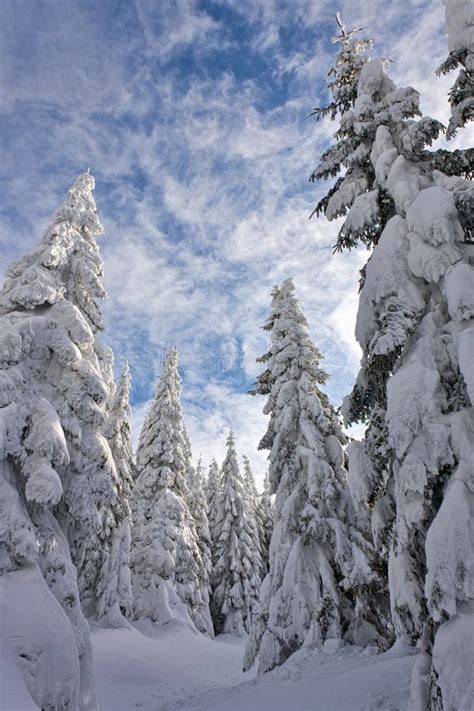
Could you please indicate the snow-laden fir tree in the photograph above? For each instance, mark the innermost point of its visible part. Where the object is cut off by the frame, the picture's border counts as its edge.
(236, 559)
(401, 165)
(318, 564)
(366, 206)
(211, 488)
(459, 24)
(353, 192)
(416, 310)
(198, 510)
(91, 488)
(250, 486)
(115, 591)
(260, 509)
(414, 324)
(265, 516)
(197, 506)
(250, 489)
(185, 581)
(165, 559)
(58, 472)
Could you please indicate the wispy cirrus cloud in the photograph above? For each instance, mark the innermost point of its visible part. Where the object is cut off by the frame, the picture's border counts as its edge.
(192, 116)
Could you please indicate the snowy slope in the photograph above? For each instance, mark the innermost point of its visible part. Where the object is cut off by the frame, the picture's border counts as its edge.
(163, 667)
(344, 680)
(171, 668)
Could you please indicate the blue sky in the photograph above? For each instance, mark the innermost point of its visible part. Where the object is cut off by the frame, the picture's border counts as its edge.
(193, 118)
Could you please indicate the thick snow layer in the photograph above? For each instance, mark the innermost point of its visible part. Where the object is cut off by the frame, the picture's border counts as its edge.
(172, 668)
(453, 659)
(460, 291)
(450, 553)
(332, 680)
(434, 217)
(36, 631)
(459, 21)
(466, 364)
(163, 667)
(14, 695)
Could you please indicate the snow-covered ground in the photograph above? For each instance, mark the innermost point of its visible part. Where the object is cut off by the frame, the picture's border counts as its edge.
(171, 668)
(162, 668)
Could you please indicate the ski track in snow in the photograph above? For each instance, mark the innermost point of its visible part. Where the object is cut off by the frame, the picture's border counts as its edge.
(171, 668)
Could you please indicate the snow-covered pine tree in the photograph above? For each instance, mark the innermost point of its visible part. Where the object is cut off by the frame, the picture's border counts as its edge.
(236, 568)
(253, 508)
(317, 563)
(211, 488)
(366, 207)
(165, 556)
(250, 487)
(114, 590)
(197, 598)
(414, 324)
(265, 515)
(198, 510)
(58, 471)
(459, 23)
(353, 193)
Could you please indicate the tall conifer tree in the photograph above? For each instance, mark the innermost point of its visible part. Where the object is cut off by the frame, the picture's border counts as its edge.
(265, 514)
(316, 560)
(236, 558)
(413, 389)
(459, 23)
(165, 555)
(59, 473)
(212, 486)
(198, 510)
(115, 591)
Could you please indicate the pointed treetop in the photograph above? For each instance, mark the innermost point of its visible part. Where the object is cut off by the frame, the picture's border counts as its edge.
(212, 480)
(172, 358)
(125, 376)
(65, 267)
(169, 377)
(344, 75)
(344, 36)
(249, 478)
(213, 472)
(122, 391)
(125, 366)
(288, 286)
(231, 464)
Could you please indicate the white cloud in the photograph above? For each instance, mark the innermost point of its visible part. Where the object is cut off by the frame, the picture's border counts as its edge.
(202, 182)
